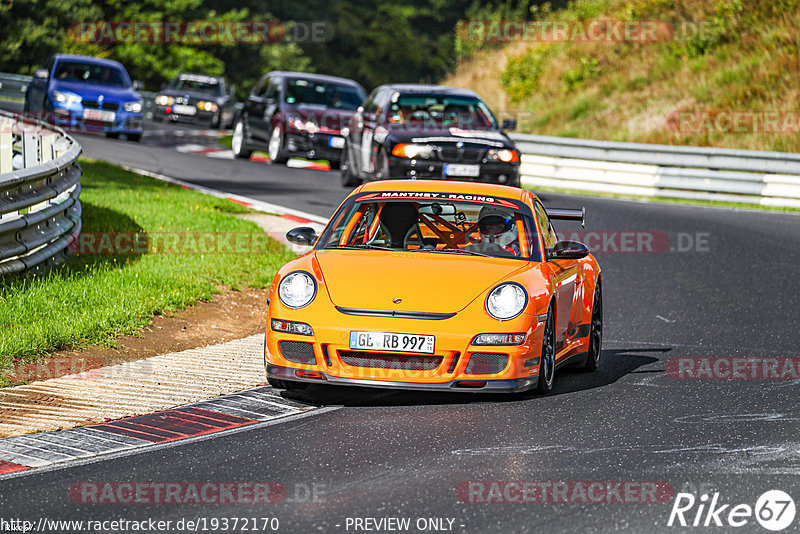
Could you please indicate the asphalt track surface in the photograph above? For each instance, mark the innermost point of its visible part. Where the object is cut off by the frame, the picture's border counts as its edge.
(397, 454)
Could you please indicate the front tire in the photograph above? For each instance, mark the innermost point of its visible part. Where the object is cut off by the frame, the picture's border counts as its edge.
(276, 153)
(135, 137)
(547, 362)
(596, 331)
(346, 170)
(112, 135)
(238, 145)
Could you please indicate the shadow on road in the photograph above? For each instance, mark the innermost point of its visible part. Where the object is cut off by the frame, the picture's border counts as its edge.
(615, 364)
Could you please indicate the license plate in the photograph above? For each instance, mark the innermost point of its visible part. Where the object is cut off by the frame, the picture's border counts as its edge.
(391, 341)
(336, 142)
(454, 169)
(182, 109)
(99, 115)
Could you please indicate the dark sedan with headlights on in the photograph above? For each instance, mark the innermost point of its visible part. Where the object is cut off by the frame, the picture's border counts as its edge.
(418, 131)
(296, 114)
(197, 98)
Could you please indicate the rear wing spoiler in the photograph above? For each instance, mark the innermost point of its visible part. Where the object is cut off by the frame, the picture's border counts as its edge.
(568, 214)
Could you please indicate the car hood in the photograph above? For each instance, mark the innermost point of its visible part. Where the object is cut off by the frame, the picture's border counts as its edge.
(192, 94)
(426, 282)
(93, 91)
(488, 138)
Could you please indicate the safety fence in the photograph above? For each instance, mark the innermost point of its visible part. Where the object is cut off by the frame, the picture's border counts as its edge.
(40, 211)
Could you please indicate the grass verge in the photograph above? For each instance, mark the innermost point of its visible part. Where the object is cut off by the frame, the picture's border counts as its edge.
(97, 298)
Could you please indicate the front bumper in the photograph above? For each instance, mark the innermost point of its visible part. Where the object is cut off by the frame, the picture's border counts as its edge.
(494, 172)
(313, 146)
(72, 118)
(491, 386)
(450, 368)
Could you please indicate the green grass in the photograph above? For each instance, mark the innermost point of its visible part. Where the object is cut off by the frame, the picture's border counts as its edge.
(226, 141)
(96, 298)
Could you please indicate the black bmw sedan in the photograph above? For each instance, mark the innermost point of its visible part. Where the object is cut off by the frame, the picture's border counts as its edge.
(427, 131)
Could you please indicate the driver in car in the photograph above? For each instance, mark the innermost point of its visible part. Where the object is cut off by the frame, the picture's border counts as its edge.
(498, 233)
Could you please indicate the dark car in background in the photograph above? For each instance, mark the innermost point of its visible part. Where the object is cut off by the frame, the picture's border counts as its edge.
(295, 114)
(421, 131)
(198, 98)
(86, 93)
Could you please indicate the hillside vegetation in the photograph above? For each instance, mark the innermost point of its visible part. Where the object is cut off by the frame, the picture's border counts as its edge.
(726, 76)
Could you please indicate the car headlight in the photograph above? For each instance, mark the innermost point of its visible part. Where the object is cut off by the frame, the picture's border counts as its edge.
(133, 107)
(62, 97)
(505, 155)
(297, 123)
(506, 301)
(412, 150)
(499, 339)
(292, 327)
(164, 100)
(206, 106)
(311, 127)
(297, 289)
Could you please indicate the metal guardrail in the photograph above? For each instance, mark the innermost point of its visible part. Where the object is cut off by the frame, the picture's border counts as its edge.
(13, 86)
(749, 176)
(39, 194)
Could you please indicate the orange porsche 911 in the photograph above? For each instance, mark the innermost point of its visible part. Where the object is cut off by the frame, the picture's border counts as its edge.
(433, 285)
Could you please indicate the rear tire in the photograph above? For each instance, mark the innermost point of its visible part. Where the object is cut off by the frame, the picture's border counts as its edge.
(596, 331)
(112, 135)
(238, 144)
(547, 362)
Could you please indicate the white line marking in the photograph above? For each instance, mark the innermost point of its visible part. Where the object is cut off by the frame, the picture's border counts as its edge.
(257, 205)
(665, 319)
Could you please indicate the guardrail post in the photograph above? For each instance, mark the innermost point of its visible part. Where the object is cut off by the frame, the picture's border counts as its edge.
(47, 141)
(30, 149)
(6, 145)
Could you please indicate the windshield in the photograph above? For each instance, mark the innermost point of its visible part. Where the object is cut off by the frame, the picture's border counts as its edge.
(72, 71)
(198, 84)
(300, 91)
(441, 110)
(435, 223)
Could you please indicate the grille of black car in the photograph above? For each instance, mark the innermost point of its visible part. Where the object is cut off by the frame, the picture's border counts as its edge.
(486, 363)
(298, 352)
(94, 104)
(390, 360)
(451, 154)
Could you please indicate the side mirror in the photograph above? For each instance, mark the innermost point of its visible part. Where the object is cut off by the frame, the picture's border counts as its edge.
(509, 124)
(567, 250)
(41, 74)
(303, 235)
(137, 85)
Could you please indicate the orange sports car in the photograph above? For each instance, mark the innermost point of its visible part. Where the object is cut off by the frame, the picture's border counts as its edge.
(434, 285)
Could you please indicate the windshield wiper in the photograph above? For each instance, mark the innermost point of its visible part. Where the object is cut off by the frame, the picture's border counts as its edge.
(363, 246)
(459, 251)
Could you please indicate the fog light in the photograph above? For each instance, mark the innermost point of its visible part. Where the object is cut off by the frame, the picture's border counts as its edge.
(471, 384)
(291, 327)
(502, 178)
(499, 339)
(314, 375)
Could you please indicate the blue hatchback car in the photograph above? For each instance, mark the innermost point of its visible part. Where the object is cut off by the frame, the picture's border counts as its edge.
(87, 93)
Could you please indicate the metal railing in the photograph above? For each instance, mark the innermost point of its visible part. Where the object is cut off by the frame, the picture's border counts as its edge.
(39, 190)
(748, 176)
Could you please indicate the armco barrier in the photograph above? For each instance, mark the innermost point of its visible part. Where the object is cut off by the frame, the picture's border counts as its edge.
(750, 176)
(39, 189)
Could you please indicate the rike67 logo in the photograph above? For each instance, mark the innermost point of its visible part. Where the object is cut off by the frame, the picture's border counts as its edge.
(774, 510)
